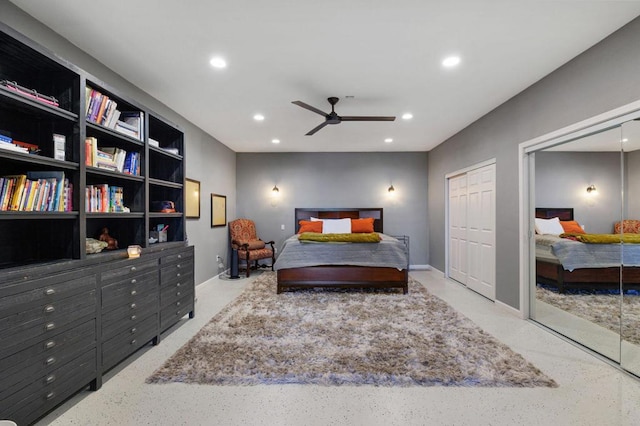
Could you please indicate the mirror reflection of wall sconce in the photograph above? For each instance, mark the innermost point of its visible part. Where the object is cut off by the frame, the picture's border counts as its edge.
(275, 190)
(591, 189)
(391, 189)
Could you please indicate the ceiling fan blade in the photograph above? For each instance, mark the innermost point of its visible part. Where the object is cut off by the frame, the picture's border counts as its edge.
(367, 118)
(310, 108)
(315, 129)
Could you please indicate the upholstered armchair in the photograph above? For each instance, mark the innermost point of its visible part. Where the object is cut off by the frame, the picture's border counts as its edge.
(250, 248)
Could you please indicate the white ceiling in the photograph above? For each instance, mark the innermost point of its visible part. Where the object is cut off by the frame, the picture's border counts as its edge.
(387, 54)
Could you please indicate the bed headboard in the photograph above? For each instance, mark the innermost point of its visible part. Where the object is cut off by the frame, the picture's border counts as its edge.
(564, 213)
(351, 213)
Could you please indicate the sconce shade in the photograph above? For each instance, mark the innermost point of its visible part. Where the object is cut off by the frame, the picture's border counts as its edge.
(591, 188)
(275, 189)
(391, 188)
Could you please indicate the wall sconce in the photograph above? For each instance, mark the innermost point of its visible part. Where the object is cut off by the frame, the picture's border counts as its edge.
(391, 188)
(275, 190)
(591, 188)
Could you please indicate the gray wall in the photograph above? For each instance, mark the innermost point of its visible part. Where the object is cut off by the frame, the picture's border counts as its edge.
(336, 180)
(601, 79)
(562, 179)
(632, 191)
(207, 160)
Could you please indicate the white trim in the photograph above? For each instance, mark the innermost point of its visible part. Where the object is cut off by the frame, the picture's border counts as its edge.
(473, 167)
(508, 308)
(591, 125)
(420, 267)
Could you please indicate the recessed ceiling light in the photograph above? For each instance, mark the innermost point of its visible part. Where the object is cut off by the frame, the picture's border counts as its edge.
(388, 140)
(407, 116)
(275, 140)
(218, 62)
(258, 117)
(451, 61)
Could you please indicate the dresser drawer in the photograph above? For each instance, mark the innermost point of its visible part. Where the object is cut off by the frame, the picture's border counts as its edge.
(176, 272)
(133, 311)
(45, 392)
(127, 269)
(184, 255)
(23, 296)
(45, 356)
(129, 291)
(170, 295)
(172, 313)
(123, 344)
(44, 322)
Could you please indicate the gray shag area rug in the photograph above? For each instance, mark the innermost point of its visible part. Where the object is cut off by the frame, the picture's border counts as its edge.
(601, 309)
(345, 337)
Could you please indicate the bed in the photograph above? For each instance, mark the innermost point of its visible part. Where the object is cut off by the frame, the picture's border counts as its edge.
(343, 265)
(564, 263)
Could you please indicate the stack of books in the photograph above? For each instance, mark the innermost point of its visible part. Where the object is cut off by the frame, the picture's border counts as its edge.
(131, 123)
(100, 109)
(45, 191)
(111, 158)
(103, 198)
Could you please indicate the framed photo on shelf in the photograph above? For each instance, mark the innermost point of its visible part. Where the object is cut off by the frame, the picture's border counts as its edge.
(218, 210)
(192, 199)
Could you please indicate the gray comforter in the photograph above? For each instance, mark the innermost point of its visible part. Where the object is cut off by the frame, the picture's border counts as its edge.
(389, 252)
(574, 254)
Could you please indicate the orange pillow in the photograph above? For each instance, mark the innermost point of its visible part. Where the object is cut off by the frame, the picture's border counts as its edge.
(362, 225)
(571, 226)
(309, 226)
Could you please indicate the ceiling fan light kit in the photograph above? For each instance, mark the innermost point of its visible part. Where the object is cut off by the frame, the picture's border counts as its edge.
(334, 118)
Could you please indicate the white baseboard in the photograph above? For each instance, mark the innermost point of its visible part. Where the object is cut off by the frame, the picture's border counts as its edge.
(420, 267)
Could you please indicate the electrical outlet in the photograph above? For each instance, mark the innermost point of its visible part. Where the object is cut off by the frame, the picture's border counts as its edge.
(282, 227)
(217, 257)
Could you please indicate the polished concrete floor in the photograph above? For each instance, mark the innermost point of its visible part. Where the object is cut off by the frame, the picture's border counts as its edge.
(590, 392)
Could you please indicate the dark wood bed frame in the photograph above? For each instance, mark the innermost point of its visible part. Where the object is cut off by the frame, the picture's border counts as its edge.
(585, 278)
(343, 276)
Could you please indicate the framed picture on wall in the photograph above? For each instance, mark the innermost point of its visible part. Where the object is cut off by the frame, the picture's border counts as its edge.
(192, 199)
(218, 210)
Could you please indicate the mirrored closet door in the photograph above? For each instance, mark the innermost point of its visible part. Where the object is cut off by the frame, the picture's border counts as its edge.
(578, 192)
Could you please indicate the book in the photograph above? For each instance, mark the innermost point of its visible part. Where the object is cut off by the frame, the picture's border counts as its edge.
(59, 146)
(16, 195)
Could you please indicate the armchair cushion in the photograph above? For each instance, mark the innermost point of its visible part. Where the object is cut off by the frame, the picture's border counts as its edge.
(253, 244)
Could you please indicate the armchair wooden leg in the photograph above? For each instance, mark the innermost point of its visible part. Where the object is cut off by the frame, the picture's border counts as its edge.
(248, 263)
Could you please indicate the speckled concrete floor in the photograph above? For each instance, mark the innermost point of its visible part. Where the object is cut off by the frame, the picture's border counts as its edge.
(590, 392)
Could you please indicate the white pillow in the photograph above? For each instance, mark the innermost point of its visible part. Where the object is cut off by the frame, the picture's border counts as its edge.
(315, 219)
(549, 226)
(336, 226)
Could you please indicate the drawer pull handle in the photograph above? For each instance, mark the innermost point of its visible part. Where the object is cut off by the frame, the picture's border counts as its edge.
(50, 360)
(177, 303)
(133, 317)
(50, 395)
(178, 266)
(133, 342)
(49, 326)
(178, 285)
(49, 308)
(133, 330)
(178, 274)
(133, 268)
(179, 313)
(179, 256)
(133, 292)
(178, 294)
(50, 344)
(49, 291)
(133, 306)
(50, 379)
(133, 281)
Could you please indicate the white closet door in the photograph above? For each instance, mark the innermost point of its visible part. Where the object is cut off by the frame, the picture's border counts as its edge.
(481, 231)
(458, 228)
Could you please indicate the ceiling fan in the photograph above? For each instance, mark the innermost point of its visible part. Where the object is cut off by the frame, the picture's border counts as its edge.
(333, 118)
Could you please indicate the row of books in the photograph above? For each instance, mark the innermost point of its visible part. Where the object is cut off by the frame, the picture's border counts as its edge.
(44, 191)
(104, 198)
(111, 158)
(102, 110)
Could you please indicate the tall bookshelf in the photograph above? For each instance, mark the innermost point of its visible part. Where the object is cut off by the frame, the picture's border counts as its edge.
(34, 237)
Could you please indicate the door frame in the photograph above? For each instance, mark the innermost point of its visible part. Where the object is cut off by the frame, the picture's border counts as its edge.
(526, 204)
